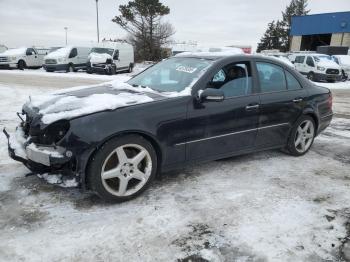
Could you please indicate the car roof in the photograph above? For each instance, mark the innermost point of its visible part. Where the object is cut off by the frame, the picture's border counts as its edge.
(219, 58)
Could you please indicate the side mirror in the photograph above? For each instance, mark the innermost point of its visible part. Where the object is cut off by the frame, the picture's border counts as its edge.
(211, 94)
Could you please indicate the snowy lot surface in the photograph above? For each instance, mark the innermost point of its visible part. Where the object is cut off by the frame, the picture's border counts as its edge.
(266, 206)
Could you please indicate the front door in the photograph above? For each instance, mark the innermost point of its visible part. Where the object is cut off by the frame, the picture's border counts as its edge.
(219, 129)
(281, 104)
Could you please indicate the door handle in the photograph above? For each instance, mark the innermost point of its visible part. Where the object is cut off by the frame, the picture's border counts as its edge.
(252, 107)
(297, 100)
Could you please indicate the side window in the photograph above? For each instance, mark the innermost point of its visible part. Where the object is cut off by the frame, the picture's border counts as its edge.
(310, 61)
(234, 79)
(116, 55)
(336, 59)
(299, 59)
(292, 82)
(30, 51)
(73, 53)
(271, 77)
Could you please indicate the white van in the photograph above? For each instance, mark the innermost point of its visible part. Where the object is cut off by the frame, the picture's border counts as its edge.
(69, 59)
(24, 57)
(318, 67)
(111, 57)
(344, 62)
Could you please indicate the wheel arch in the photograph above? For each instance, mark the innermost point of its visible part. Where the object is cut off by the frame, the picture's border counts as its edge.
(314, 116)
(146, 136)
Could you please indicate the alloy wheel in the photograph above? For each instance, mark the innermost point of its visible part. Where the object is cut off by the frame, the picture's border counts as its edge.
(126, 170)
(304, 136)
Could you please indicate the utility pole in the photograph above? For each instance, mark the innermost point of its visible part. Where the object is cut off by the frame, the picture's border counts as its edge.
(98, 30)
(66, 29)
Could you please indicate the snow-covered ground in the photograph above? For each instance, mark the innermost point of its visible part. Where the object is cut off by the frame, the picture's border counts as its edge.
(266, 206)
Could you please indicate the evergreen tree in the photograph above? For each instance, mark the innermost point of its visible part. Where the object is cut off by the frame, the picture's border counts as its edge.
(277, 33)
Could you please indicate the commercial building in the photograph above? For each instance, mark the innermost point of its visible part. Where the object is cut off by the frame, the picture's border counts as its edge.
(310, 31)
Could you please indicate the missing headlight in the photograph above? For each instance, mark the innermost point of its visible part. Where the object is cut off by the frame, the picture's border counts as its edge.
(55, 132)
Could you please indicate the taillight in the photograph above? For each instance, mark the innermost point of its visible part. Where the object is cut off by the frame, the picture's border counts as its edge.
(330, 101)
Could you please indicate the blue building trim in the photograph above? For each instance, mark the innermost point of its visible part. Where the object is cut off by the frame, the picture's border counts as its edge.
(328, 23)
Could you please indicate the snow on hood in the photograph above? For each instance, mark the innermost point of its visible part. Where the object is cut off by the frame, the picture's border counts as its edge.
(328, 64)
(13, 52)
(99, 58)
(61, 52)
(78, 101)
(54, 107)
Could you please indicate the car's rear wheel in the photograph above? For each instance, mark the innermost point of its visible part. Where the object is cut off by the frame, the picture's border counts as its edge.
(302, 136)
(122, 168)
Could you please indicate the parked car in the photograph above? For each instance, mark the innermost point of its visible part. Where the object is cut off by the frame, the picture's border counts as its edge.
(116, 137)
(69, 59)
(344, 62)
(21, 58)
(318, 67)
(111, 57)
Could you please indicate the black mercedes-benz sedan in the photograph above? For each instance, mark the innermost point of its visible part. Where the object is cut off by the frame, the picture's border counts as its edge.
(115, 138)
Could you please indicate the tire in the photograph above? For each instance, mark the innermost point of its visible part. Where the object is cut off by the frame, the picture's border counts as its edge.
(311, 76)
(21, 65)
(130, 177)
(301, 137)
(70, 68)
(112, 70)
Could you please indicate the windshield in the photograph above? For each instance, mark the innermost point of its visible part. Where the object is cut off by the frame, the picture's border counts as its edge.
(172, 75)
(322, 58)
(102, 50)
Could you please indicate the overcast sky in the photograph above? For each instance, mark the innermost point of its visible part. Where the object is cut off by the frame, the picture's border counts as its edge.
(209, 22)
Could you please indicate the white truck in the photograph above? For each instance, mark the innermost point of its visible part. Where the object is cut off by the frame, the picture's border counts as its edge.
(69, 59)
(21, 58)
(318, 67)
(111, 57)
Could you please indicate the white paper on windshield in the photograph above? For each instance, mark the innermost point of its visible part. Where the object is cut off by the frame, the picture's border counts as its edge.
(186, 69)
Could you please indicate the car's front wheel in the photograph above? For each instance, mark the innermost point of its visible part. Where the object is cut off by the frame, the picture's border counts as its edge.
(311, 76)
(122, 168)
(302, 136)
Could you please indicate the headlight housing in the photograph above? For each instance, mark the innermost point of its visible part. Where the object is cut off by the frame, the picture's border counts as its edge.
(13, 58)
(55, 132)
(321, 68)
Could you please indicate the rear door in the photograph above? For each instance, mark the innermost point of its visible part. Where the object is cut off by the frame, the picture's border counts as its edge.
(281, 103)
(219, 129)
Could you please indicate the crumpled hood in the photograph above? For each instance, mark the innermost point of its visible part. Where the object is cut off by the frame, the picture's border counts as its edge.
(99, 58)
(328, 64)
(76, 102)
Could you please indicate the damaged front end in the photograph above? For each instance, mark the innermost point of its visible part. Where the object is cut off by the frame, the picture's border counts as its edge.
(36, 147)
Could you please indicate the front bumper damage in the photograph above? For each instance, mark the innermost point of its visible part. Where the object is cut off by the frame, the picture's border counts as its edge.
(37, 158)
